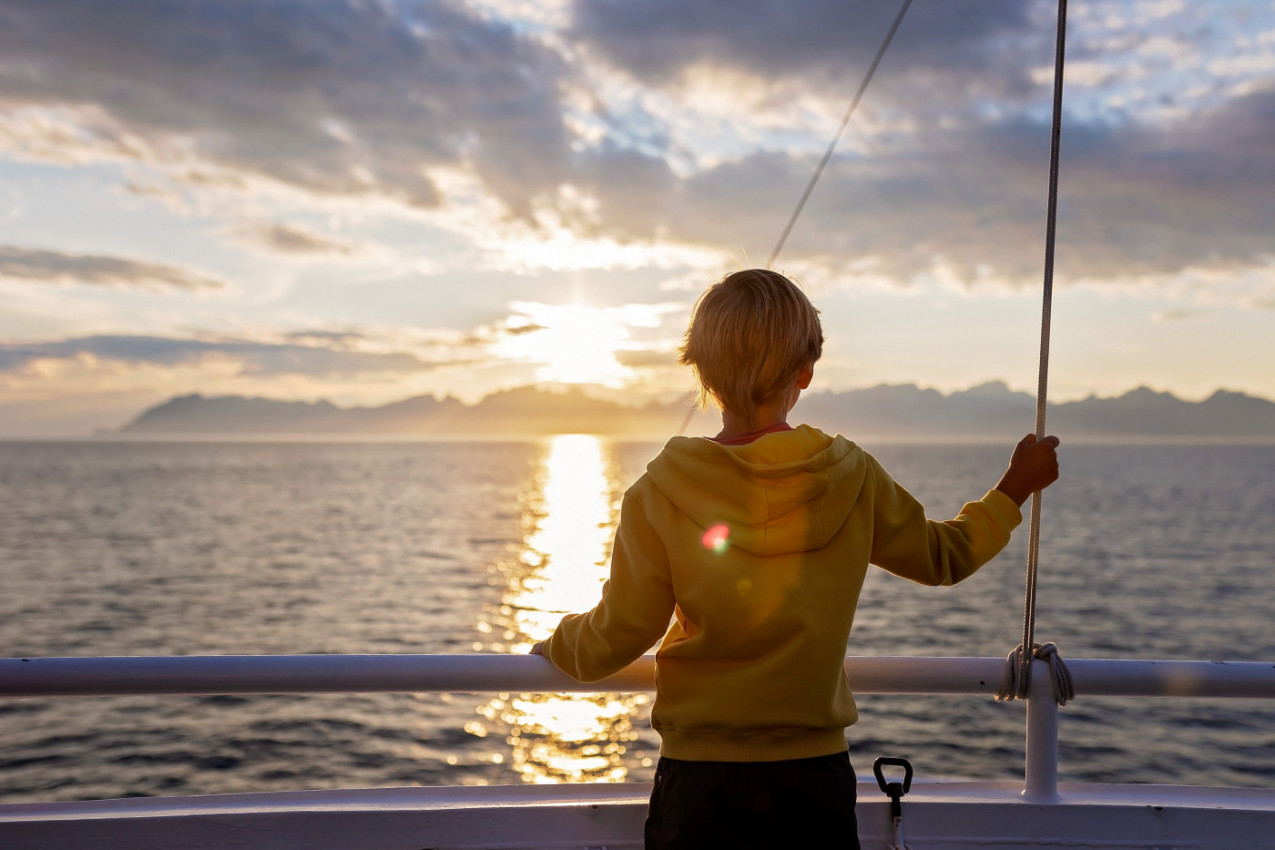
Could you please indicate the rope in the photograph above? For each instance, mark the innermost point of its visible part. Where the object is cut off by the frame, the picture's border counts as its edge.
(1018, 673)
(690, 414)
(863, 86)
(801, 204)
(1017, 679)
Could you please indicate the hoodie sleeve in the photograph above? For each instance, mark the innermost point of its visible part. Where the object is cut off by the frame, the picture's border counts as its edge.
(636, 606)
(927, 551)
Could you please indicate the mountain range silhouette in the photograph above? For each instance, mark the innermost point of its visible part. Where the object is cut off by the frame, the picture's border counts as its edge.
(905, 411)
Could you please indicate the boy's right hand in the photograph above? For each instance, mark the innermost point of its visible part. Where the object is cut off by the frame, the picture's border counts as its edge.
(1033, 466)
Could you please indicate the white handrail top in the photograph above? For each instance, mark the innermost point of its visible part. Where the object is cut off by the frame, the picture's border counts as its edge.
(486, 673)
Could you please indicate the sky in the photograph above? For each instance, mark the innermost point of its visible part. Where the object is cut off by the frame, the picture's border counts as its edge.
(366, 200)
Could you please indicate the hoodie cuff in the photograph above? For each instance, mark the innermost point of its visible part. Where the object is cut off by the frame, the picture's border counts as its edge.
(1002, 507)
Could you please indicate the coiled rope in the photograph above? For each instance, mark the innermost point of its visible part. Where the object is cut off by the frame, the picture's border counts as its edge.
(1018, 664)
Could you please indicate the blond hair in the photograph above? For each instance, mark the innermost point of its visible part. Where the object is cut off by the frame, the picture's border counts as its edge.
(750, 335)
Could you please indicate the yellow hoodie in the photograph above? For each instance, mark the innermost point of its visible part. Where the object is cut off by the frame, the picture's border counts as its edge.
(752, 666)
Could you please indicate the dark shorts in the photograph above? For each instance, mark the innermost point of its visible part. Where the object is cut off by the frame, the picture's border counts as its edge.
(702, 805)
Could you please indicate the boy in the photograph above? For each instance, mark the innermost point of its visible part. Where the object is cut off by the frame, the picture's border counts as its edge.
(756, 543)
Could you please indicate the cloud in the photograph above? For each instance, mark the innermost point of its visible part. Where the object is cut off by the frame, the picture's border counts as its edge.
(1179, 316)
(1136, 201)
(60, 134)
(332, 338)
(251, 358)
(347, 97)
(945, 177)
(952, 186)
(362, 98)
(643, 359)
(96, 270)
(518, 330)
(291, 239)
(658, 40)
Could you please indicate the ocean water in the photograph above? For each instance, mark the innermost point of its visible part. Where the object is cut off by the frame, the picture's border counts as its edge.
(1149, 551)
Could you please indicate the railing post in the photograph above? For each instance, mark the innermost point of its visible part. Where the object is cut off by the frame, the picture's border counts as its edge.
(1041, 782)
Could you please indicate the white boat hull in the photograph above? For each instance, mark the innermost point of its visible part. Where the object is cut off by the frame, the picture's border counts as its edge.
(936, 816)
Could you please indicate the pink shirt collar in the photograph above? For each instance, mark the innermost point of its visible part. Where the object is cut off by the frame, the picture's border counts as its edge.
(749, 436)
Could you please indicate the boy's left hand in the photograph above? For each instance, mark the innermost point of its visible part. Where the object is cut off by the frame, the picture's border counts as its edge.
(538, 649)
(1033, 467)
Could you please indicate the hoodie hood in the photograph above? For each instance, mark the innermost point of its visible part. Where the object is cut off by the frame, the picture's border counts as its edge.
(786, 492)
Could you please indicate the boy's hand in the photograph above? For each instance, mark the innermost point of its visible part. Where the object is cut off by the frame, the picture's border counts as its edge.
(1033, 466)
(538, 649)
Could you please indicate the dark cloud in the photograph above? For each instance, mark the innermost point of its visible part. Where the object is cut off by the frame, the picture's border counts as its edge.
(656, 40)
(519, 330)
(255, 358)
(964, 183)
(1134, 199)
(35, 264)
(339, 96)
(290, 239)
(362, 96)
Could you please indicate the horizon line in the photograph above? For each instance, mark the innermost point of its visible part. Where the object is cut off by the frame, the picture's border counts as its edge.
(607, 393)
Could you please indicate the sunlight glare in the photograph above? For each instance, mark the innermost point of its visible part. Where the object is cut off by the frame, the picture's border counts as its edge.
(574, 343)
(560, 570)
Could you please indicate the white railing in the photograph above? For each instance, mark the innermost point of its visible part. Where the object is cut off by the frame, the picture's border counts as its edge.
(261, 674)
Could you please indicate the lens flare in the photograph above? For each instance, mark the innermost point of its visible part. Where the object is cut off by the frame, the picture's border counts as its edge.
(716, 538)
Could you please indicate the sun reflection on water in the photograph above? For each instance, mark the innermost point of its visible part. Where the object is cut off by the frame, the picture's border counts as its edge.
(560, 569)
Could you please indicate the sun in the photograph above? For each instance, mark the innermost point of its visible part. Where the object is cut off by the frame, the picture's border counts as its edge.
(572, 343)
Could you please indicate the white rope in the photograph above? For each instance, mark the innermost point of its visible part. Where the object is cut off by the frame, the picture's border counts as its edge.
(832, 146)
(854, 103)
(1017, 680)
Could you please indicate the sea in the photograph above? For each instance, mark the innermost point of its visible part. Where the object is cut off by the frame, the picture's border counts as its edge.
(1148, 551)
